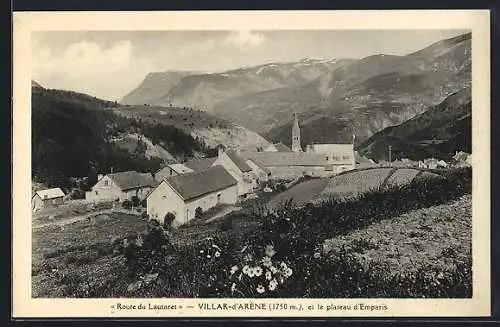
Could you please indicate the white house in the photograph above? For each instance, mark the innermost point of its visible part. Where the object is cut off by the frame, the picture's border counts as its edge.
(121, 186)
(181, 195)
(335, 153)
(238, 168)
(47, 198)
(172, 170)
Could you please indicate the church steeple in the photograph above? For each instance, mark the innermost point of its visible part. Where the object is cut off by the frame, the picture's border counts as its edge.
(296, 136)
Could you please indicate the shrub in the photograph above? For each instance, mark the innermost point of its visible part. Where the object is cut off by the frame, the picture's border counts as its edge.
(127, 204)
(154, 222)
(144, 215)
(144, 203)
(226, 224)
(169, 219)
(198, 213)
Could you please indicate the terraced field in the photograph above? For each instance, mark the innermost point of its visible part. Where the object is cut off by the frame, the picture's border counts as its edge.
(358, 181)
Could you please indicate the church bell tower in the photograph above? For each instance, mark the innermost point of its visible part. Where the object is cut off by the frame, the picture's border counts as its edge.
(296, 136)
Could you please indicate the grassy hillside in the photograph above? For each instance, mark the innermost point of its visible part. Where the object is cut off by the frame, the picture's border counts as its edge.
(72, 132)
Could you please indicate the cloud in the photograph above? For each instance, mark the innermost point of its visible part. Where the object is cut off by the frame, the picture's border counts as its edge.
(85, 59)
(245, 40)
(84, 66)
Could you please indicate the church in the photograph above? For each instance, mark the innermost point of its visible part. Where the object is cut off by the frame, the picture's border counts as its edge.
(318, 160)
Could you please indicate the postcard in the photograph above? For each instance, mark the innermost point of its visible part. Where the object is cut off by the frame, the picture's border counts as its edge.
(251, 164)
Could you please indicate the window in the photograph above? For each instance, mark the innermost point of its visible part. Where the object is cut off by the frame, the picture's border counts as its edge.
(95, 192)
(326, 158)
(45, 197)
(106, 183)
(218, 198)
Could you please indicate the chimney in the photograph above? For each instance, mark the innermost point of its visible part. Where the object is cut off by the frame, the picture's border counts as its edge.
(111, 169)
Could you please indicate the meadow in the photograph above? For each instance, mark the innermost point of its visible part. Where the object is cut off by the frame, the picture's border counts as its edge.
(314, 250)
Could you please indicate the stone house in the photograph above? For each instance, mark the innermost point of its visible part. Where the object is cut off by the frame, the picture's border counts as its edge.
(181, 195)
(239, 169)
(122, 186)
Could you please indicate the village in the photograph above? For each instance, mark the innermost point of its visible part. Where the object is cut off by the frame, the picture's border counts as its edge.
(180, 192)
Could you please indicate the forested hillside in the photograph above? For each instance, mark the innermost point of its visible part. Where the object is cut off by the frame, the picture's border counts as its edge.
(72, 133)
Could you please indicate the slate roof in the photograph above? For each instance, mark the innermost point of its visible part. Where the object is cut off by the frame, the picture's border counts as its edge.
(260, 164)
(280, 147)
(128, 180)
(51, 193)
(180, 168)
(286, 158)
(193, 185)
(239, 161)
(200, 164)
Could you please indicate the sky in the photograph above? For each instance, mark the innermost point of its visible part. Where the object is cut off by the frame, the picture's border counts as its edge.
(109, 64)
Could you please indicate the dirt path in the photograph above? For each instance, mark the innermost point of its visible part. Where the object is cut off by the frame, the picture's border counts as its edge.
(66, 221)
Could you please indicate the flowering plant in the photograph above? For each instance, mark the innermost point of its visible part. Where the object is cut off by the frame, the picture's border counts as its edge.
(257, 275)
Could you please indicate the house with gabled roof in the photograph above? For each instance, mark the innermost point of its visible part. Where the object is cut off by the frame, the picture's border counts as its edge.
(183, 195)
(171, 170)
(200, 164)
(122, 186)
(47, 198)
(238, 168)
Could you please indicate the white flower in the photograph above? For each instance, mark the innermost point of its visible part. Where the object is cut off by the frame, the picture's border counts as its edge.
(273, 269)
(260, 289)
(283, 266)
(269, 275)
(272, 285)
(317, 255)
(233, 287)
(234, 269)
(288, 272)
(217, 254)
(266, 262)
(208, 256)
(270, 250)
(248, 257)
(257, 271)
(201, 251)
(251, 272)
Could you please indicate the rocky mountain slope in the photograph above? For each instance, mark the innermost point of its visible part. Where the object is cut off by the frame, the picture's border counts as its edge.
(207, 129)
(335, 98)
(205, 90)
(438, 132)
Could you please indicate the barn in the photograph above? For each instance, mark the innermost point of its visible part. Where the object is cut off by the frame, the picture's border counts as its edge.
(183, 194)
(47, 198)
